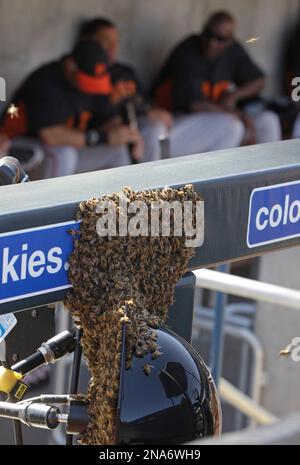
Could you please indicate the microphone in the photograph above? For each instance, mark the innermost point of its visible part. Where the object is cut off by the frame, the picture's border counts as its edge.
(11, 172)
(50, 352)
(33, 414)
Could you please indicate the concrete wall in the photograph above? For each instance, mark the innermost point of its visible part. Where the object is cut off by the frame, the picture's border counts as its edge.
(35, 31)
(276, 326)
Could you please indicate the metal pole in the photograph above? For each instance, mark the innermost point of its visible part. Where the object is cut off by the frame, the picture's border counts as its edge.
(216, 354)
(63, 322)
(165, 150)
(242, 381)
(75, 375)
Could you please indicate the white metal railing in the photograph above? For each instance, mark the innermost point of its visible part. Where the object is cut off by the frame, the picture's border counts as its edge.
(248, 288)
(244, 334)
(240, 401)
(285, 431)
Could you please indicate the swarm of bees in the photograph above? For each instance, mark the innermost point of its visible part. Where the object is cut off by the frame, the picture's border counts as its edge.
(121, 282)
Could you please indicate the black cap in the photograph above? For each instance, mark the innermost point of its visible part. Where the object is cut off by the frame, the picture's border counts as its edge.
(92, 74)
(89, 56)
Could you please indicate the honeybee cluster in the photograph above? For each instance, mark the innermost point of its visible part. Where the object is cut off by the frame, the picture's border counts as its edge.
(121, 281)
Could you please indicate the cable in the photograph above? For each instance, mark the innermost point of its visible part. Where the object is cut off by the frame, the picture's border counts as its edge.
(17, 427)
(49, 399)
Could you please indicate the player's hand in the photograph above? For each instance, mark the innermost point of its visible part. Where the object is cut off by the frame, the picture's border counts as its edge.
(124, 135)
(250, 132)
(228, 101)
(158, 114)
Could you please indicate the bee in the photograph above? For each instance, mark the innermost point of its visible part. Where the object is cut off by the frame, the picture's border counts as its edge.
(252, 40)
(74, 232)
(156, 354)
(147, 369)
(286, 352)
(139, 353)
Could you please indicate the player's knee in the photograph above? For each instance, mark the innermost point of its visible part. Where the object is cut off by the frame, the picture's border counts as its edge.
(269, 124)
(296, 128)
(156, 129)
(62, 151)
(61, 161)
(119, 157)
(234, 129)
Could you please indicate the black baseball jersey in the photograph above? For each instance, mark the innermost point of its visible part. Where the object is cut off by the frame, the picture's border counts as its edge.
(188, 76)
(47, 99)
(125, 85)
(122, 74)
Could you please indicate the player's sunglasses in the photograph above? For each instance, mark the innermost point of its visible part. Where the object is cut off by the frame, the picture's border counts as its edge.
(211, 35)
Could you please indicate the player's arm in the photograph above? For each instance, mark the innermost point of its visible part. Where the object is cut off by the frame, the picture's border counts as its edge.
(61, 135)
(244, 91)
(247, 76)
(205, 106)
(121, 135)
(250, 89)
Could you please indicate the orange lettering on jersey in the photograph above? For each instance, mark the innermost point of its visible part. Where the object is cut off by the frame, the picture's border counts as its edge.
(206, 89)
(218, 90)
(214, 91)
